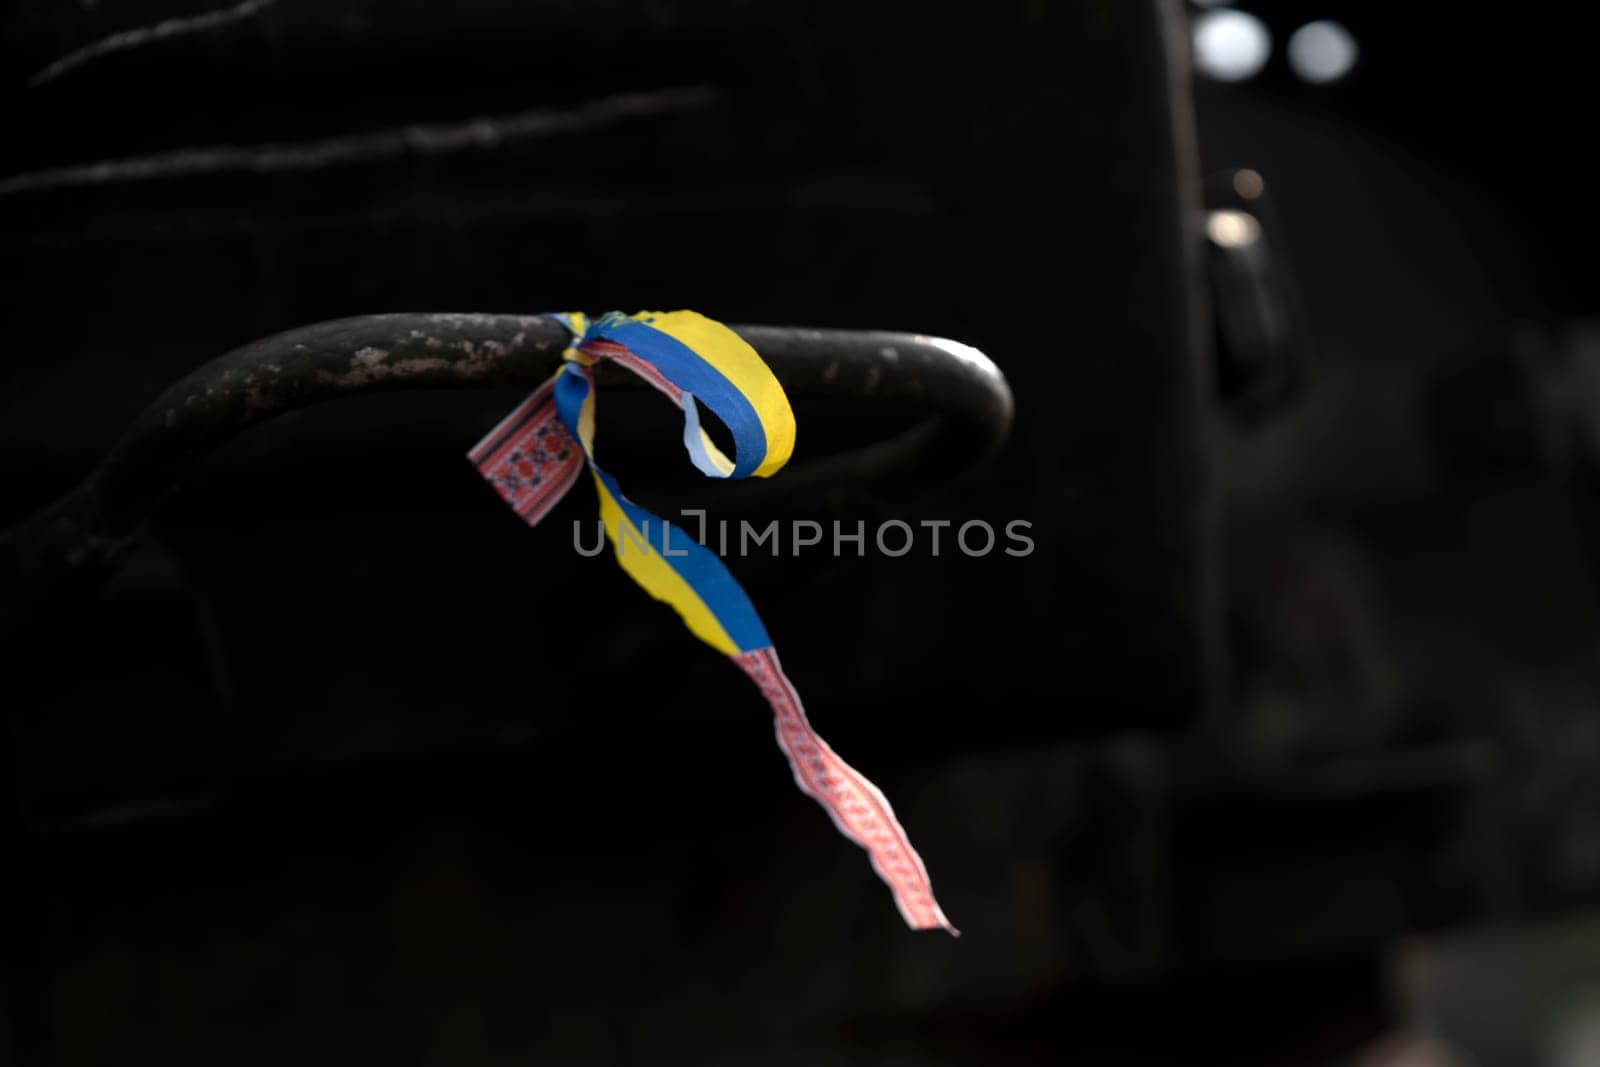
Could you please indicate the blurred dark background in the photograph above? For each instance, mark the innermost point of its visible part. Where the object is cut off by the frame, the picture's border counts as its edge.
(1279, 749)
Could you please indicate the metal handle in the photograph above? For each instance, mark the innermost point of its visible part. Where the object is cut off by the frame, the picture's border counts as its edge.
(72, 545)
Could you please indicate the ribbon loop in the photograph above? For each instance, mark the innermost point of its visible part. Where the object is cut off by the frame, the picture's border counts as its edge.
(536, 453)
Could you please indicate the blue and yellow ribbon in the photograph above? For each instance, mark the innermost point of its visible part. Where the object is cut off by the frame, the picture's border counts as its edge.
(536, 453)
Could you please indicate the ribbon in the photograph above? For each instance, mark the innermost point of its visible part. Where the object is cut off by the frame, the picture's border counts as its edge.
(537, 453)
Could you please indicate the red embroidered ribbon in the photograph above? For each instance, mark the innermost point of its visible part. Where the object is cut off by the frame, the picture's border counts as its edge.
(535, 455)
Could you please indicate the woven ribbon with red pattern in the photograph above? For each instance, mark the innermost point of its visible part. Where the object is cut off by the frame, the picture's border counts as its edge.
(535, 455)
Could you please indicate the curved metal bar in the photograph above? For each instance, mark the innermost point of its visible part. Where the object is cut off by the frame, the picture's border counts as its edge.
(71, 545)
